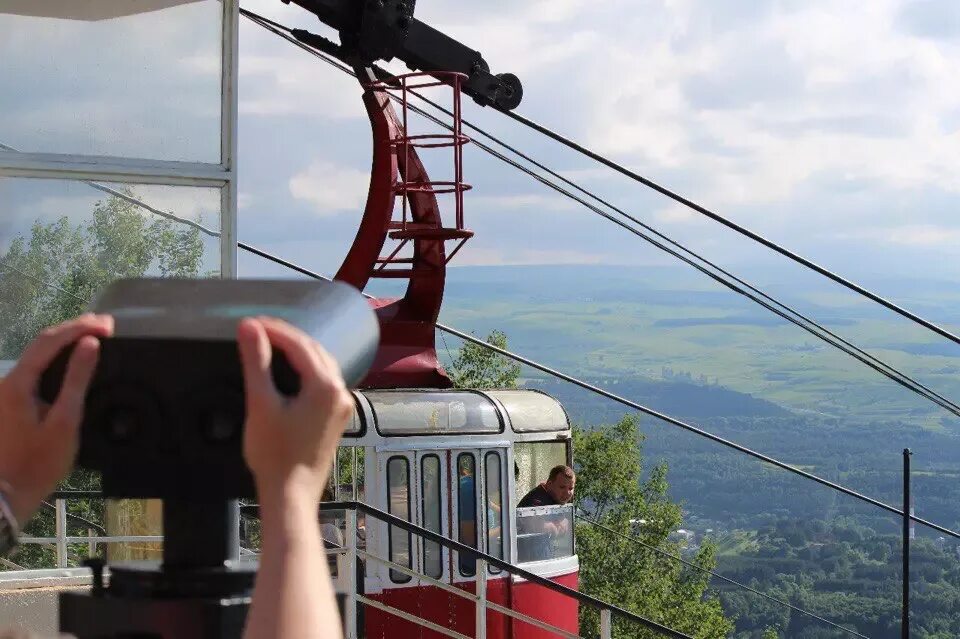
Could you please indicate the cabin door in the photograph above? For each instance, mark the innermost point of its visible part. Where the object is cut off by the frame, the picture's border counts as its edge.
(477, 508)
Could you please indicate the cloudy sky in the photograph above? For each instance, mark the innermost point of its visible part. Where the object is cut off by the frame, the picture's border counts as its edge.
(833, 128)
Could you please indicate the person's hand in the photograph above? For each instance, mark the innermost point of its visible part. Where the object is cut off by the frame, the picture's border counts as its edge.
(38, 441)
(290, 442)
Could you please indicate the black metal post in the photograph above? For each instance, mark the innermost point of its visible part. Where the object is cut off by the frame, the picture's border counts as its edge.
(200, 533)
(905, 612)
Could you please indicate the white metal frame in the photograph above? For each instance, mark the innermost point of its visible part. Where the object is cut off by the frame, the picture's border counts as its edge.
(222, 175)
(445, 523)
(98, 168)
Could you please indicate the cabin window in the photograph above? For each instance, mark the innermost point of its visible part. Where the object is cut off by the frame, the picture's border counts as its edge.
(355, 425)
(533, 463)
(494, 508)
(532, 411)
(349, 474)
(398, 485)
(467, 509)
(544, 533)
(432, 517)
(433, 413)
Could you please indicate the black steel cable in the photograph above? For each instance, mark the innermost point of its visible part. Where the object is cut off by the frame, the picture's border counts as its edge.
(278, 28)
(627, 402)
(788, 314)
(732, 225)
(803, 322)
(928, 392)
(651, 412)
(680, 559)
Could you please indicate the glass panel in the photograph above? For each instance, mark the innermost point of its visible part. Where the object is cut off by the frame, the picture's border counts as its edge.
(531, 411)
(494, 508)
(544, 533)
(430, 412)
(534, 461)
(350, 473)
(333, 525)
(432, 518)
(355, 425)
(467, 509)
(398, 484)
(145, 85)
(63, 241)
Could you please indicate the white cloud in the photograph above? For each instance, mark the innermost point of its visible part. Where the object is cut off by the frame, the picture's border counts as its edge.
(762, 106)
(913, 235)
(484, 203)
(329, 188)
(291, 82)
(480, 256)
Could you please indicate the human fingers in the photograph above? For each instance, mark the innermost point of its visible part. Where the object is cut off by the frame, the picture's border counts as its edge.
(48, 344)
(299, 349)
(255, 356)
(67, 410)
(330, 366)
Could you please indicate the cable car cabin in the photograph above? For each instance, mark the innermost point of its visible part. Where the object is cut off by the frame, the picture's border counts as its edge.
(456, 463)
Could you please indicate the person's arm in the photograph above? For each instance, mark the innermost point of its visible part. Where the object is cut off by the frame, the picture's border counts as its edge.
(289, 445)
(38, 441)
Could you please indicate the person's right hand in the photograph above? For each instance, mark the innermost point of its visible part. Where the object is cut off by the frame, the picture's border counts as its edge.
(290, 442)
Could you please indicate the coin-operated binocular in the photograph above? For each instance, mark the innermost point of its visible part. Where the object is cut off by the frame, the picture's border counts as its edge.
(164, 419)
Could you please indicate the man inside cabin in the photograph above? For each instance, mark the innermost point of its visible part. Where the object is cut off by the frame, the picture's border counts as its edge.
(556, 491)
(542, 536)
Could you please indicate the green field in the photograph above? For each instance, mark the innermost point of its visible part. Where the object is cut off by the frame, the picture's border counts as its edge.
(634, 327)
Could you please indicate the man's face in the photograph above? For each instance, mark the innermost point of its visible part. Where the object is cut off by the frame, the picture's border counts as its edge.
(561, 488)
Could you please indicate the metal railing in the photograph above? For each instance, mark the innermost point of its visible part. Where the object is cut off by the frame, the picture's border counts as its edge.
(347, 568)
(95, 534)
(350, 553)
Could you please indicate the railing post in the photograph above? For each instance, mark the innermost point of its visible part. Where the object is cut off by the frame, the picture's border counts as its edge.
(350, 607)
(91, 545)
(481, 599)
(606, 627)
(61, 524)
(907, 511)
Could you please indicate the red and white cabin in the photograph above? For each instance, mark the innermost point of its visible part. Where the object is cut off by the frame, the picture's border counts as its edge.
(456, 462)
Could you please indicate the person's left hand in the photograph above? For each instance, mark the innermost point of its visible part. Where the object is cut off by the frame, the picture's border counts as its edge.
(38, 441)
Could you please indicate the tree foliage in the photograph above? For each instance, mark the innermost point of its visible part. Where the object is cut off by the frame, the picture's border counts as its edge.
(477, 367)
(611, 491)
(52, 276)
(614, 567)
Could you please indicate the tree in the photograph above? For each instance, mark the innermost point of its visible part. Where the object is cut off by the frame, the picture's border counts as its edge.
(477, 367)
(611, 491)
(52, 276)
(621, 566)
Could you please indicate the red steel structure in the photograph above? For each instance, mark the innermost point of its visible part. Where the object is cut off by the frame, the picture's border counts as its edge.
(407, 356)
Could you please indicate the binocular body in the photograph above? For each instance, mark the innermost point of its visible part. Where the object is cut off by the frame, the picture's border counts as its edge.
(165, 411)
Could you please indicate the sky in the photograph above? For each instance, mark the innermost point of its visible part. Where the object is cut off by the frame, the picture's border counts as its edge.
(832, 128)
